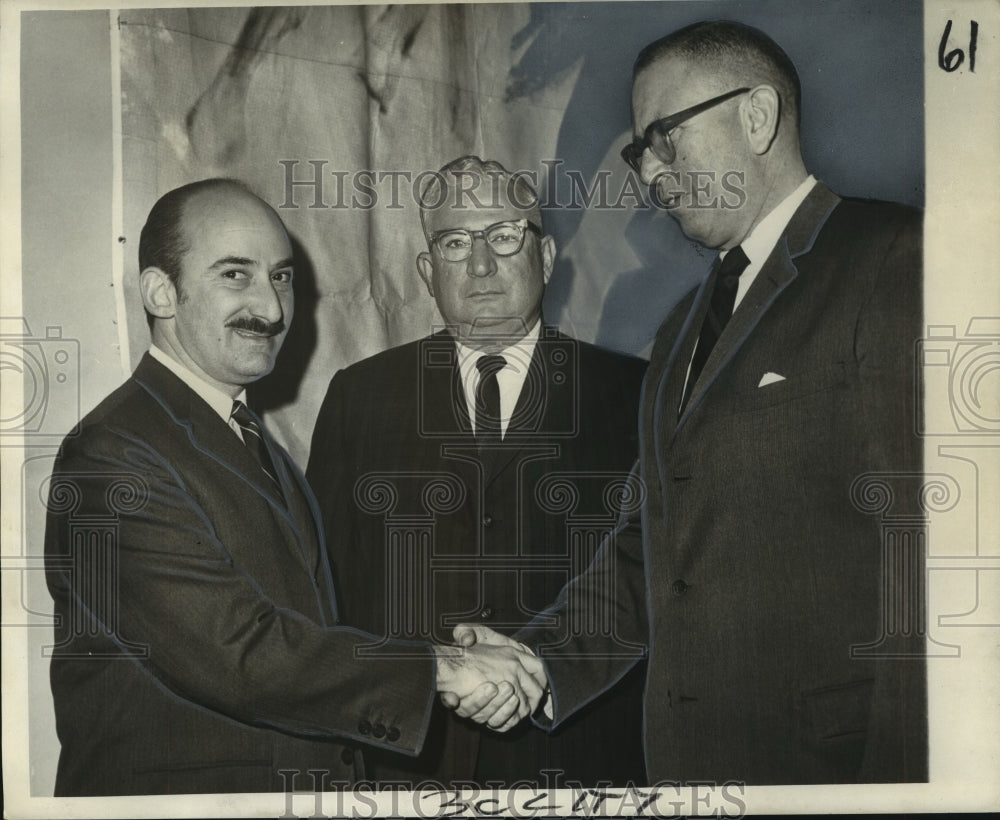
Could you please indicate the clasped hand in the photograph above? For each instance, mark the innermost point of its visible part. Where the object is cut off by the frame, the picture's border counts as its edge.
(489, 677)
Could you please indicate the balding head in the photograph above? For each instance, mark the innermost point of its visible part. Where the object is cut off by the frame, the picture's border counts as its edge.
(471, 183)
(162, 242)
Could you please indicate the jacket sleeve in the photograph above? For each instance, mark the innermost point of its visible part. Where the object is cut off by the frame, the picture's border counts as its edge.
(167, 591)
(889, 328)
(597, 629)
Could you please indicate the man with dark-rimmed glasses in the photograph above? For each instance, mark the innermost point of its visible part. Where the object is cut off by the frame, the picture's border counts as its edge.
(784, 625)
(498, 446)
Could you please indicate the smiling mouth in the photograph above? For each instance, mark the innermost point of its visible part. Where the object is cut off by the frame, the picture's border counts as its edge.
(253, 335)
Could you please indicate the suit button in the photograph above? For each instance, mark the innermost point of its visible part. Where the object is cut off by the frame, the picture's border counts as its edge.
(347, 756)
(365, 727)
(487, 520)
(392, 735)
(486, 613)
(378, 731)
(679, 587)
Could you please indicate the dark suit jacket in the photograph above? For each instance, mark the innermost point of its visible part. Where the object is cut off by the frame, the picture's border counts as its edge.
(426, 532)
(783, 614)
(196, 642)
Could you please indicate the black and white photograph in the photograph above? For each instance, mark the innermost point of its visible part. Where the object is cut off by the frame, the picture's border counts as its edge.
(519, 409)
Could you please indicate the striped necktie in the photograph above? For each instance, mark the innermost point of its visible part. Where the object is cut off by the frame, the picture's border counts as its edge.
(254, 440)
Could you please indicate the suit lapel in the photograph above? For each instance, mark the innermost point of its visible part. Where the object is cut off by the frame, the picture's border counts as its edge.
(442, 408)
(658, 402)
(205, 429)
(306, 522)
(215, 439)
(669, 361)
(291, 506)
(776, 274)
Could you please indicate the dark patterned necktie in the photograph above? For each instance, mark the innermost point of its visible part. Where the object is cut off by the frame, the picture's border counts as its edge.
(488, 399)
(254, 440)
(720, 310)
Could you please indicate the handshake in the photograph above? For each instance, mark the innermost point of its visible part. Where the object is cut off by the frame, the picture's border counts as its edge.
(489, 677)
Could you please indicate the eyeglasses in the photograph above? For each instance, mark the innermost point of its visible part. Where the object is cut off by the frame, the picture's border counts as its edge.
(657, 134)
(504, 239)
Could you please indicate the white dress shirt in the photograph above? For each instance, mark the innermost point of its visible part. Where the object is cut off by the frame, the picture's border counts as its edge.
(510, 379)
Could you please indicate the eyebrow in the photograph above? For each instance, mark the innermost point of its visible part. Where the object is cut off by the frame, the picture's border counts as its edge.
(248, 262)
(233, 260)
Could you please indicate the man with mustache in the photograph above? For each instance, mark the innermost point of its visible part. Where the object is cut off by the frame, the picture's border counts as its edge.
(198, 647)
(785, 625)
(506, 499)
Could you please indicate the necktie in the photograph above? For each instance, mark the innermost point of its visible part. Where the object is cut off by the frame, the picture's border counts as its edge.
(720, 310)
(488, 399)
(254, 440)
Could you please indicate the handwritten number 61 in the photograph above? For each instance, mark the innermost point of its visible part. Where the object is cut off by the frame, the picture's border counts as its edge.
(953, 59)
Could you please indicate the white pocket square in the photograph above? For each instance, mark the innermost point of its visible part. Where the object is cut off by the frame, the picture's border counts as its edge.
(770, 378)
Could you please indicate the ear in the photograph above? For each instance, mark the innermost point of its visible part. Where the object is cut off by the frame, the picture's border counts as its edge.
(548, 257)
(425, 267)
(159, 296)
(762, 112)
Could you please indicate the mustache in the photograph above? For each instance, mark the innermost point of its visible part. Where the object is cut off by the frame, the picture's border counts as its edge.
(253, 324)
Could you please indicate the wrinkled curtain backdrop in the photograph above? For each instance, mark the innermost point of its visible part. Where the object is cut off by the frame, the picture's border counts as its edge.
(330, 92)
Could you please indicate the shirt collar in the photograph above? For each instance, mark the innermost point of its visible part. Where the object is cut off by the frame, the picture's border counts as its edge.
(762, 239)
(522, 350)
(215, 398)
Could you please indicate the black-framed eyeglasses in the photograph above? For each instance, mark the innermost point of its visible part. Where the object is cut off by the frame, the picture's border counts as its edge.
(504, 239)
(657, 134)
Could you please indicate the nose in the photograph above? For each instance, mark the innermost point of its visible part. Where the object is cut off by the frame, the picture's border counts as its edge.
(271, 300)
(481, 260)
(651, 166)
